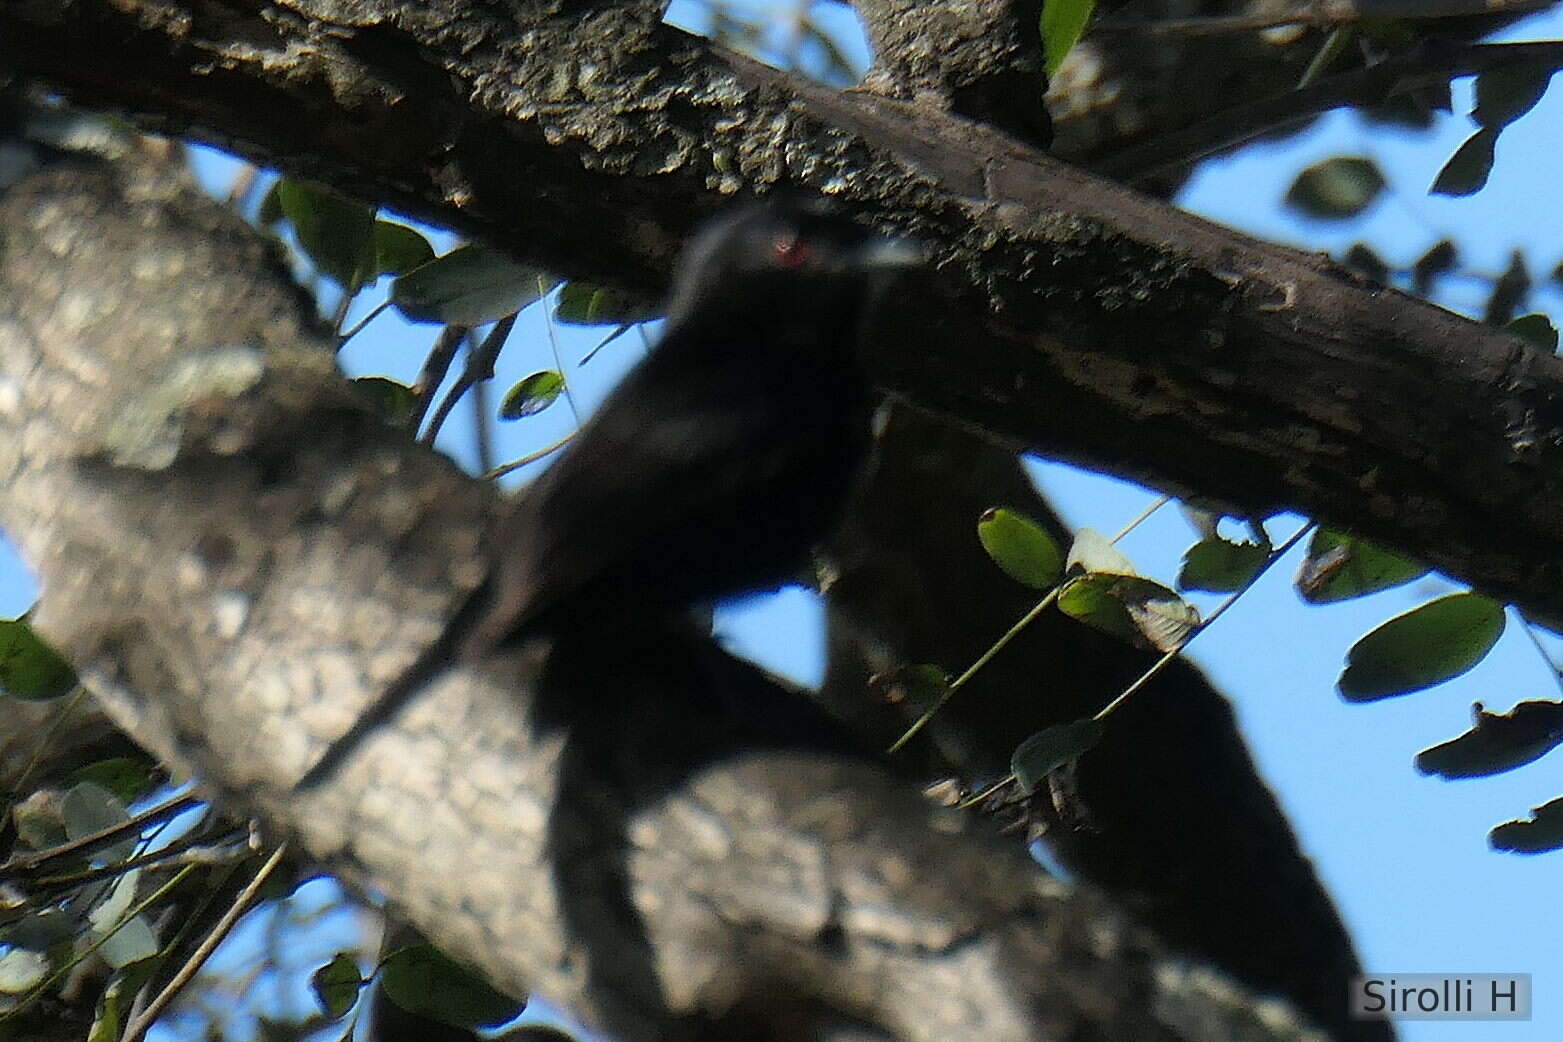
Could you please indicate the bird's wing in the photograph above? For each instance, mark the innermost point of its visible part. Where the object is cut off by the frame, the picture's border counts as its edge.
(628, 476)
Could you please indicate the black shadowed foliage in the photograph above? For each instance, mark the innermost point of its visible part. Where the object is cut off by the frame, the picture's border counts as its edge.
(716, 464)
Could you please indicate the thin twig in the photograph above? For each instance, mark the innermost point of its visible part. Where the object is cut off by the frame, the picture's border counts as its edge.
(224, 926)
(480, 366)
(1204, 624)
(435, 368)
(357, 327)
(1431, 63)
(1009, 635)
(553, 345)
(531, 457)
(169, 808)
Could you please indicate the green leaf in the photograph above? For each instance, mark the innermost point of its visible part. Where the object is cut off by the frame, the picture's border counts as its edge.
(1504, 95)
(29, 668)
(1024, 549)
(1361, 259)
(1537, 329)
(270, 211)
(1544, 832)
(1063, 22)
(1438, 260)
(1051, 748)
(1509, 292)
(1089, 599)
(1340, 566)
(108, 1018)
(469, 286)
(1143, 612)
(336, 985)
(21, 969)
(422, 980)
(130, 944)
(1336, 188)
(1425, 646)
(399, 249)
(88, 808)
(1467, 170)
(127, 778)
(585, 304)
(393, 401)
(1497, 743)
(532, 395)
(124, 942)
(335, 233)
(1219, 566)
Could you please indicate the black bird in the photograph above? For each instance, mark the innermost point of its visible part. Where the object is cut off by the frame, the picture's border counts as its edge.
(715, 465)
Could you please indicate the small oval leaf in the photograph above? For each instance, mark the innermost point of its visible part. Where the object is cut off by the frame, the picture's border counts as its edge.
(1497, 742)
(1022, 548)
(335, 233)
(1361, 259)
(422, 980)
(29, 668)
(1425, 646)
(1219, 566)
(587, 304)
(394, 402)
(88, 808)
(1440, 259)
(1340, 566)
(1336, 188)
(532, 395)
(1467, 171)
(468, 286)
(398, 248)
(1051, 748)
(1505, 94)
(126, 777)
(1542, 833)
(336, 985)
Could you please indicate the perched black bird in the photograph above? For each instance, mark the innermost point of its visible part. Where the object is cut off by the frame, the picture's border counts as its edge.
(712, 469)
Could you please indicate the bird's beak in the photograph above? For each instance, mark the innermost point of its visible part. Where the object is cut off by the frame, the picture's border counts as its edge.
(890, 254)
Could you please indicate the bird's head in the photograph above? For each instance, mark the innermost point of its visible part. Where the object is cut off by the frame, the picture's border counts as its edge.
(784, 253)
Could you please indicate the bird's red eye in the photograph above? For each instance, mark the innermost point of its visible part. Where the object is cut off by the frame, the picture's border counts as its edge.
(790, 251)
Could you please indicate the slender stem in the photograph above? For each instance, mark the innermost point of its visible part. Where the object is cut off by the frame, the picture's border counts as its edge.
(224, 926)
(1161, 663)
(553, 345)
(1013, 632)
(358, 326)
(531, 457)
(971, 671)
(169, 808)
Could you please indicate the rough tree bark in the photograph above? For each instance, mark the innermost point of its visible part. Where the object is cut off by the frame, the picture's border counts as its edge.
(1155, 344)
(1067, 315)
(231, 544)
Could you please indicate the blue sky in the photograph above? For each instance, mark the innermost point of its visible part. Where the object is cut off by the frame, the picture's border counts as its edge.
(1404, 856)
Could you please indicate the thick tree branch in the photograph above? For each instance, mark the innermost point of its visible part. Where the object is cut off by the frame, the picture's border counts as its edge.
(1068, 315)
(230, 545)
